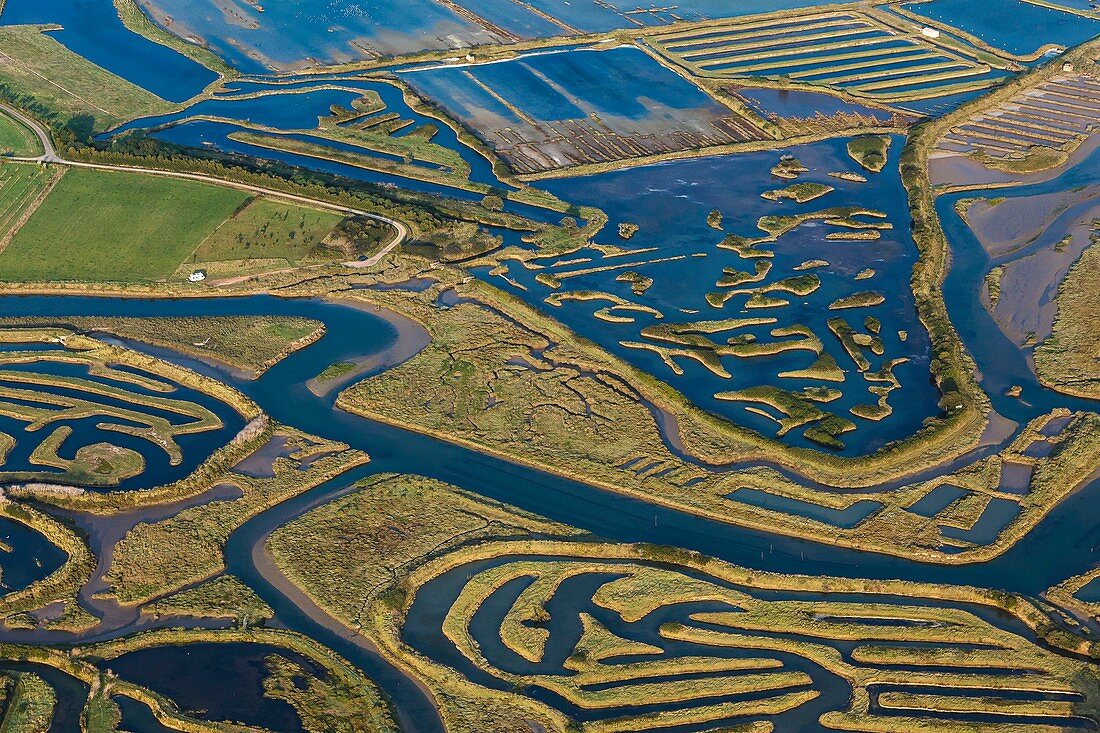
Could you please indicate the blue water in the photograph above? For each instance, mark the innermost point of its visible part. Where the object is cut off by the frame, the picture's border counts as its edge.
(297, 107)
(1090, 591)
(799, 104)
(1012, 25)
(288, 111)
(564, 85)
(977, 328)
(936, 500)
(32, 556)
(213, 681)
(843, 518)
(293, 34)
(670, 203)
(593, 17)
(622, 82)
(93, 29)
(996, 517)
(195, 447)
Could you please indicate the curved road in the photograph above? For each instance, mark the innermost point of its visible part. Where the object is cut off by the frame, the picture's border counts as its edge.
(49, 155)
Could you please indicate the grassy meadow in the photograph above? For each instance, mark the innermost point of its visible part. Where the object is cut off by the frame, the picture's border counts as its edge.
(21, 185)
(16, 139)
(108, 226)
(74, 90)
(267, 229)
(123, 227)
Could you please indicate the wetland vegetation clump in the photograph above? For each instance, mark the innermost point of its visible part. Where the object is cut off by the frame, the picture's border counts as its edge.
(863, 299)
(154, 559)
(799, 192)
(627, 230)
(866, 235)
(789, 167)
(224, 597)
(869, 151)
(470, 552)
(846, 217)
(248, 344)
(639, 283)
(1067, 360)
(993, 280)
(29, 704)
(328, 703)
(463, 241)
(745, 247)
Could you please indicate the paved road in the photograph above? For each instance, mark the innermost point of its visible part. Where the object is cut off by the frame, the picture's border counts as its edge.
(50, 155)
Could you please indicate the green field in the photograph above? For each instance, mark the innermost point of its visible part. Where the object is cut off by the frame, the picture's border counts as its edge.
(43, 74)
(20, 185)
(122, 227)
(267, 229)
(16, 139)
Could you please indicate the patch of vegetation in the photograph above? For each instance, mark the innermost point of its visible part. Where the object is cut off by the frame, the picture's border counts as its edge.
(842, 216)
(336, 370)
(462, 241)
(869, 151)
(268, 230)
(863, 299)
(789, 167)
(224, 597)
(332, 704)
(250, 344)
(993, 285)
(30, 709)
(1068, 360)
(799, 192)
(23, 186)
(101, 713)
(800, 410)
(639, 283)
(865, 235)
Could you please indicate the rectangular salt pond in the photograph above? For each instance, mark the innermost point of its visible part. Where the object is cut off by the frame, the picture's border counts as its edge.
(998, 514)
(597, 16)
(294, 34)
(546, 110)
(568, 84)
(843, 518)
(936, 500)
(1012, 25)
(1015, 477)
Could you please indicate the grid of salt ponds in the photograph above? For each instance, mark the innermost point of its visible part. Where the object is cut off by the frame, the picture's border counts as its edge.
(847, 50)
(1053, 115)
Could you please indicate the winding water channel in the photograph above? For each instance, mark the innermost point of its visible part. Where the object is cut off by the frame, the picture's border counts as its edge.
(1064, 544)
